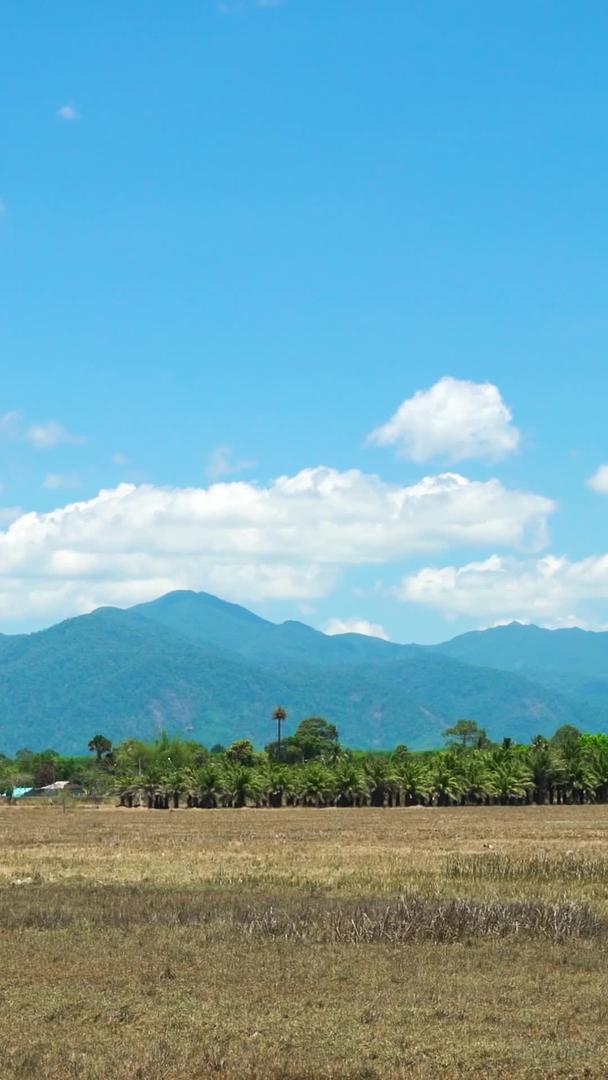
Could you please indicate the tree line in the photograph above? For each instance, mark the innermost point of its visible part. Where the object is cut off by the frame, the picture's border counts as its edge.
(312, 768)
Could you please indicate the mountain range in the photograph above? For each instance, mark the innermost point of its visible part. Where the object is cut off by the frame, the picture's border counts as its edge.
(193, 664)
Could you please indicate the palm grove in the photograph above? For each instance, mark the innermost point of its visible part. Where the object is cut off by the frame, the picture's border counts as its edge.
(311, 768)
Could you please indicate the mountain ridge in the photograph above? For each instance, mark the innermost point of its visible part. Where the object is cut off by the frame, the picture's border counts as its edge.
(196, 665)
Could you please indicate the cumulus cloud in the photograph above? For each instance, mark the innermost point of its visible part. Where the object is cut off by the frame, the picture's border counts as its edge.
(290, 539)
(454, 419)
(10, 425)
(599, 481)
(68, 112)
(546, 590)
(356, 626)
(41, 436)
(45, 436)
(223, 463)
(55, 481)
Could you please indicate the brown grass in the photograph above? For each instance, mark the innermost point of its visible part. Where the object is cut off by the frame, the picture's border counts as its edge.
(303, 944)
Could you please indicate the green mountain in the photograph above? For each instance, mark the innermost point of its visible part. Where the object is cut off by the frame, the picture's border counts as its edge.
(207, 620)
(192, 664)
(572, 660)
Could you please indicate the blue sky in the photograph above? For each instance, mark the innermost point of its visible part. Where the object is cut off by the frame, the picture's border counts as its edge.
(234, 239)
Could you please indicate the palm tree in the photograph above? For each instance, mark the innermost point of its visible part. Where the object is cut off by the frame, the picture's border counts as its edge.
(351, 785)
(598, 762)
(413, 780)
(100, 745)
(314, 784)
(383, 779)
(206, 786)
(241, 785)
(276, 783)
(174, 783)
(511, 777)
(280, 716)
(579, 779)
(445, 781)
(149, 783)
(546, 769)
(475, 777)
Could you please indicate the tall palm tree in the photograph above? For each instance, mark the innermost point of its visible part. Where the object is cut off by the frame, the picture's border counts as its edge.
(279, 716)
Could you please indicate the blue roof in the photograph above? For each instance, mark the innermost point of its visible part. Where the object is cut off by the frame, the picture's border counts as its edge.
(18, 792)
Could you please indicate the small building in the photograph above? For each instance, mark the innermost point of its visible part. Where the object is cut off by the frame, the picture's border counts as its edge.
(55, 789)
(47, 791)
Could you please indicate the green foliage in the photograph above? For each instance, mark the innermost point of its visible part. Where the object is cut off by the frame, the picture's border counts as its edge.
(100, 745)
(175, 772)
(566, 736)
(241, 752)
(466, 733)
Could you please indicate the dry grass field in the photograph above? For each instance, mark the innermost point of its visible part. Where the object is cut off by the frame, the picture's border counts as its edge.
(303, 943)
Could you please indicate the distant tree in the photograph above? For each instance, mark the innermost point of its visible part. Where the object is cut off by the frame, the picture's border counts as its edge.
(25, 758)
(217, 748)
(100, 745)
(44, 774)
(400, 752)
(464, 734)
(566, 735)
(291, 751)
(539, 742)
(241, 752)
(316, 738)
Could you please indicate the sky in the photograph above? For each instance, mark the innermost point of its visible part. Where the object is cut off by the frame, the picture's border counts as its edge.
(304, 304)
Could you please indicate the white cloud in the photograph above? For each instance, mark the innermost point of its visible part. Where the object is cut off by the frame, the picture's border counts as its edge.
(356, 626)
(223, 463)
(41, 436)
(120, 459)
(68, 112)
(45, 436)
(599, 481)
(55, 481)
(10, 425)
(454, 419)
(289, 539)
(546, 590)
